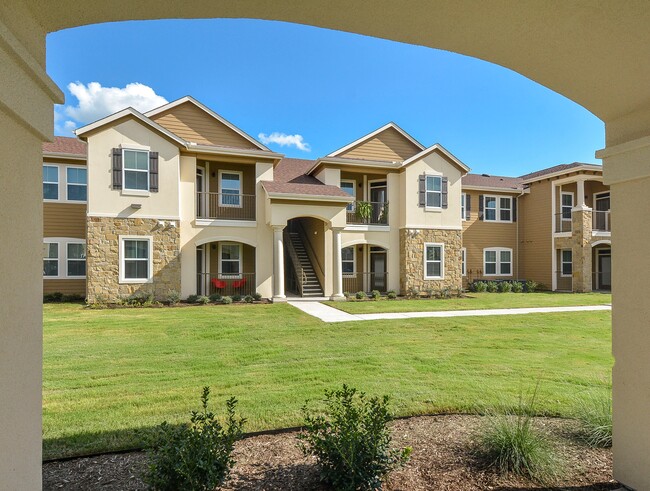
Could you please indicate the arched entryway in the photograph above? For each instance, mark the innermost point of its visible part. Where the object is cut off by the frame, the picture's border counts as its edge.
(601, 267)
(225, 267)
(305, 257)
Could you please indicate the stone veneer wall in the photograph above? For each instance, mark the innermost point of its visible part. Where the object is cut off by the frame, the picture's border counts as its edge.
(102, 261)
(411, 242)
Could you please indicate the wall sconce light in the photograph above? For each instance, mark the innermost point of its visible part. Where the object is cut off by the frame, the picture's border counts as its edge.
(360, 185)
(360, 248)
(214, 247)
(136, 206)
(213, 174)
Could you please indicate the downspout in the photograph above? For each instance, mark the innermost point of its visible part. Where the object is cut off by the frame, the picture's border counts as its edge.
(523, 191)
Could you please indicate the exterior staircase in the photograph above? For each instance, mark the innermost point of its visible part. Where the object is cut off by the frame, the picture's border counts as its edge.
(308, 283)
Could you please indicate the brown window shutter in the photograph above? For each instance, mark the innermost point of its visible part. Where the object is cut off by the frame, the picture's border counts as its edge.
(153, 172)
(468, 206)
(117, 168)
(514, 209)
(444, 188)
(480, 207)
(422, 190)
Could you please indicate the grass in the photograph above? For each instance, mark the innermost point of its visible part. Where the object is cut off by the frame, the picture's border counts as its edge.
(110, 373)
(594, 411)
(476, 301)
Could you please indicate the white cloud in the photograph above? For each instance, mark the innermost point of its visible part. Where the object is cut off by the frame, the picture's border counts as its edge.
(96, 102)
(285, 140)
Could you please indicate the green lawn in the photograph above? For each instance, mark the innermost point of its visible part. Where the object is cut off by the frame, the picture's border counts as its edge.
(110, 373)
(475, 301)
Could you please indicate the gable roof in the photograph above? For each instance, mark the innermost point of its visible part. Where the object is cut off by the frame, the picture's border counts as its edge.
(486, 181)
(372, 134)
(65, 146)
(211, 113)
(559, 170)
(439, 148)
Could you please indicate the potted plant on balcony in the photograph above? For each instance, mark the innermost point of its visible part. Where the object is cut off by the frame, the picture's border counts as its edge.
(364, 210)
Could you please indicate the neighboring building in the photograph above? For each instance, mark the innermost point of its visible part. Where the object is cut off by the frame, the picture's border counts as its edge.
(180, 199)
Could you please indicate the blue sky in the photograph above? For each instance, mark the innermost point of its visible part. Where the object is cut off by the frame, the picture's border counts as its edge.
(322, 88)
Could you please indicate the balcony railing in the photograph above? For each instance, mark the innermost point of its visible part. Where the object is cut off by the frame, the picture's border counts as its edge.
(366, 282)
(225, 284)
(368, 213)
(563, 222)
(601, 221)
(224, 206)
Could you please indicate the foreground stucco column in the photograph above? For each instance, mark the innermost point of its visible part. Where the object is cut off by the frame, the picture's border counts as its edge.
(337, 271)
(278, 264)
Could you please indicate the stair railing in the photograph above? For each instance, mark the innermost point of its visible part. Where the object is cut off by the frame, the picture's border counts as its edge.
(313, 258)
(301, 276)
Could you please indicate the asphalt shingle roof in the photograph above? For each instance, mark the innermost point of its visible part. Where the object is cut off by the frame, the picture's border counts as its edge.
(67, 145)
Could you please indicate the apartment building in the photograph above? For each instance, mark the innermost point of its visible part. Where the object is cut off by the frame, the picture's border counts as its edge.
(181, 199)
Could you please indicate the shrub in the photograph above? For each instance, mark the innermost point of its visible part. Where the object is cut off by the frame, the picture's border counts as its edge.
(257, 296)
(517, 287)
(392, 295)
(361, 295)
(479, 286)
(192, 298)
(510, 443)
(459, 292)
(236, 298)
(445, 293)
(491, 286)
(594, 411)
(413, 293)
(351, 440)
(429, 293)
(226, 300)
(248, 299)
(215, 298)
(376, 295)
(203, 300)
(531, 286)
(173, 297)
(52, 297)
(347, 295)
(140, 299)
(194, 456)
(505, 287)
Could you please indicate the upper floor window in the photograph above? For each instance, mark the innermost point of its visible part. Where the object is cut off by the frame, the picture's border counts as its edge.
(433, 192)
(230, 185)
(498, 208)
(135, 259)
(347, 260)
(349, 187)
(76, 182)
(136, 170)
(567, 205)
(51, 182)
(497, 261)
(433, 261)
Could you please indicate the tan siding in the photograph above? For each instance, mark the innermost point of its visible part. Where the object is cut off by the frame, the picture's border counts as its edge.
(67, 287)
(535, 222)
(193, 124)
(64, 220)
(479, 235)
(389, 145)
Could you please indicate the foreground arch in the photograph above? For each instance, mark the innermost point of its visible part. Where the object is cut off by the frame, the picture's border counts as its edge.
(593, 53)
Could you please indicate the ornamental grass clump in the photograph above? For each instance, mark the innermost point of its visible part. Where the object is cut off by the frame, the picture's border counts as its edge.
(195, 456)
(594, 412)
(351, 440)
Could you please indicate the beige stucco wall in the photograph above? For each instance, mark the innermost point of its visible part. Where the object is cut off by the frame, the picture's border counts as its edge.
(103, 200)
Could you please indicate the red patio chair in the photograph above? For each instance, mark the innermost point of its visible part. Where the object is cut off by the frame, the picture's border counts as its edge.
(218, 284)
(239, 283)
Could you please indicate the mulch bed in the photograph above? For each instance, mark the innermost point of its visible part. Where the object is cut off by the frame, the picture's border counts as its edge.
(441, 460)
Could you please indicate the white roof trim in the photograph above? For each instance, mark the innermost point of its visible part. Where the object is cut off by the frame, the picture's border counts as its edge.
(129, 111)
(492, 189)
(355, 162)
(196, 147)
(579, 168)
(432, 149)
(61, 155)
(376, 132)
(205, 108)
(309, 197)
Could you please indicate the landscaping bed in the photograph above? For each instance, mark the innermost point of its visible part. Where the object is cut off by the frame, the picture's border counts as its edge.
(442, 459)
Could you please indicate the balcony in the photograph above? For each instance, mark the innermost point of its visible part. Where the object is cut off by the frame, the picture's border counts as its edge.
(368, 213)
(562, 222)
(601, 221)
(225, 206)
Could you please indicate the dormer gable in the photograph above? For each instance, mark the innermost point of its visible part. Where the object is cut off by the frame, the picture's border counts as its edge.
(389, 143)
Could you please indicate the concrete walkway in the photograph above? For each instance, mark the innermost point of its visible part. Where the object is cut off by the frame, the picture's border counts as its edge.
(330, 314)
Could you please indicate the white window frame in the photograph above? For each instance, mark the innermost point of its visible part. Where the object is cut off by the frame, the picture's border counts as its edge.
(350, 206)
(354, 261)
(58, 259)
(67, 184)
(497, 209)
(58, 182)
(562, 206)
(67, 258)
(463, 259)
(463, 201)
(240, 260)
(125, 170)
(239, 194)
(442, 260)
(62, 259)
(427, 192)
(498, 251)
(563, 262)
(149, 278)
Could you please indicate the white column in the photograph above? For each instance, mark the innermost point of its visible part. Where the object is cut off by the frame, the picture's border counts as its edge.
(337, 271)
(278, 264)
(580, 202)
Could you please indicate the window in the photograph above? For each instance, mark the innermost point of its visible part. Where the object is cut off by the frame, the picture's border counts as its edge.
(136, 170)
(76, 259)
(350, 187)
(76, 184)
(230, 257)
(567, 206)
(230, 188)
(347, 260)
(463, 259)
(433, 192)
(497, 209)
(433, 265)
(497, 261)
(567, 262)
(50, 182)
(463, 199)
(50, 259)
(135, 255)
